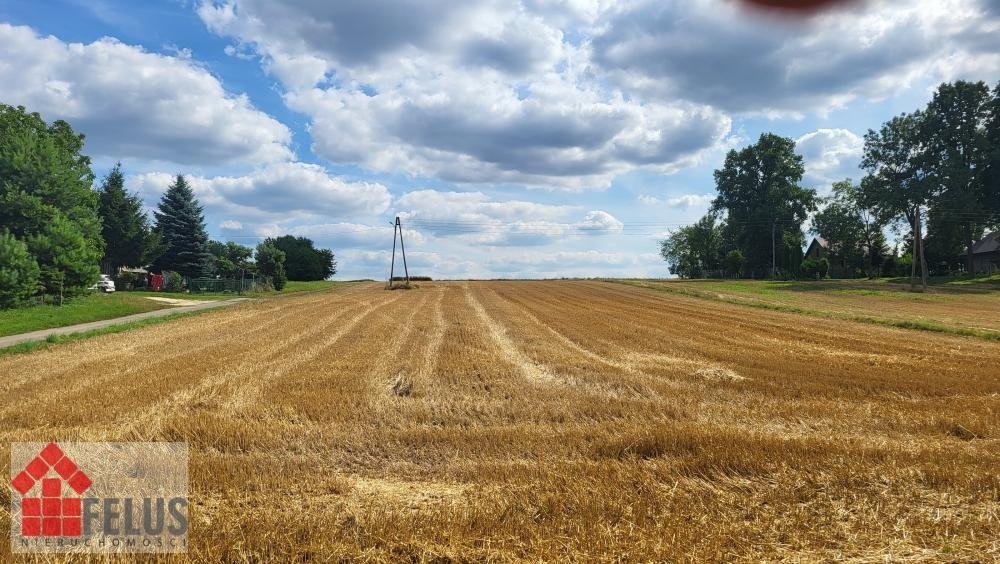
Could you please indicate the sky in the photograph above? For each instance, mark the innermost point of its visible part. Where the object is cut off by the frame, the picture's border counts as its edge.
(526, 138)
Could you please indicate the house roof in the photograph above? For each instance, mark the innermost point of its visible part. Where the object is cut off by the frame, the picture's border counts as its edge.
(988, 244)
(817, 240)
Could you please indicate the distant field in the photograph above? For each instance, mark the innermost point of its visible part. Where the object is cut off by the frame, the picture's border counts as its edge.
(942, 308)
(533, 420)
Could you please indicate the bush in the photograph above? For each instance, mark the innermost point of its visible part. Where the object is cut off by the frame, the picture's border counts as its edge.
(174, 282)
(810, 269)
(18, 272)
(823, 267)
(903, 265)
(271, 263)
(127, 280)
(733, 263)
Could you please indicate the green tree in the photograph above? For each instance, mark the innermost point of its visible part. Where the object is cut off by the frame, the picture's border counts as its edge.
(46, 200)
(991, 183)
(302, 260)
(68, 261)
(853, 231)
(733, 263)
(271, 262)
(180, 224)
(231, 260)
(695, 250)
(18, 271)
(897, 182)
(955, 152)
(759, 191)
(127, 235)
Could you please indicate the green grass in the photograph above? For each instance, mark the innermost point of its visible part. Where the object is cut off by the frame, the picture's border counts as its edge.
(98, 307)
(83, 309)
(984, 282)
(290, 288)
(708, 289)
(52, 340)
(311, 286)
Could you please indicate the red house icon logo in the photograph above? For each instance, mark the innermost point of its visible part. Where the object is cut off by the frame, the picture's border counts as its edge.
(51, 515)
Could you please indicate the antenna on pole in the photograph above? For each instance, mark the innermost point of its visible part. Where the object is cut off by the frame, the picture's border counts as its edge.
(397, 227)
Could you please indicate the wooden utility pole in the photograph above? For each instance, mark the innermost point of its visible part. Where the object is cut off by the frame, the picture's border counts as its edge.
(774, 263)
(397, 228)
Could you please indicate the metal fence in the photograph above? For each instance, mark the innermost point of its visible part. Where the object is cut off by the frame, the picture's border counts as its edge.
(249, 283)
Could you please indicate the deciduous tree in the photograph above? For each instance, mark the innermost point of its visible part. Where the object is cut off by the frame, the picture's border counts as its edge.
(853, 231)
(271, 262)
(955, 154)
(231, 260)
(759, 189)
(302, 260)
(695, 250)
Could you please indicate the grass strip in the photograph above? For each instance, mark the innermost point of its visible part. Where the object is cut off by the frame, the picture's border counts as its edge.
(32, 346)
(916, 324)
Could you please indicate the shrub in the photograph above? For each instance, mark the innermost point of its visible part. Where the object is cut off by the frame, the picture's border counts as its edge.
(734, 262)
(127, 280)
(810, 269)
(173, 283)
(271, 263)
(823, 267)
(18, 272)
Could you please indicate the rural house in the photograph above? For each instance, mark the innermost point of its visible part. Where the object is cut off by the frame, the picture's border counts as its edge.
(819, 248)
(986, 254)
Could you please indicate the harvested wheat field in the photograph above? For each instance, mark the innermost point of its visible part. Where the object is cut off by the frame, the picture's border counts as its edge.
(542, 421)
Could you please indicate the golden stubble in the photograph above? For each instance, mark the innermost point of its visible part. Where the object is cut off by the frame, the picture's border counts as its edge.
(542, 421)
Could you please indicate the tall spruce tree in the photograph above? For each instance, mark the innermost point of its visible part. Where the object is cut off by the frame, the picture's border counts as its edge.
(126, 230)
(180, 225)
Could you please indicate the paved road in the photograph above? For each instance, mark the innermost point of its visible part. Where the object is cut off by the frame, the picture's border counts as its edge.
(42, 334)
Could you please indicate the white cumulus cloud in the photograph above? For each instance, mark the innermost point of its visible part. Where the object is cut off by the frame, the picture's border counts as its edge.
(131, 103)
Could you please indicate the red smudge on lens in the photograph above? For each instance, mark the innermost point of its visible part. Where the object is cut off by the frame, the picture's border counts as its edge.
(795, 7)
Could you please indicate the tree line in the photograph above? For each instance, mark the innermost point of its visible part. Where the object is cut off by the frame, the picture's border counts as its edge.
(931, 176)
(57, 232)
